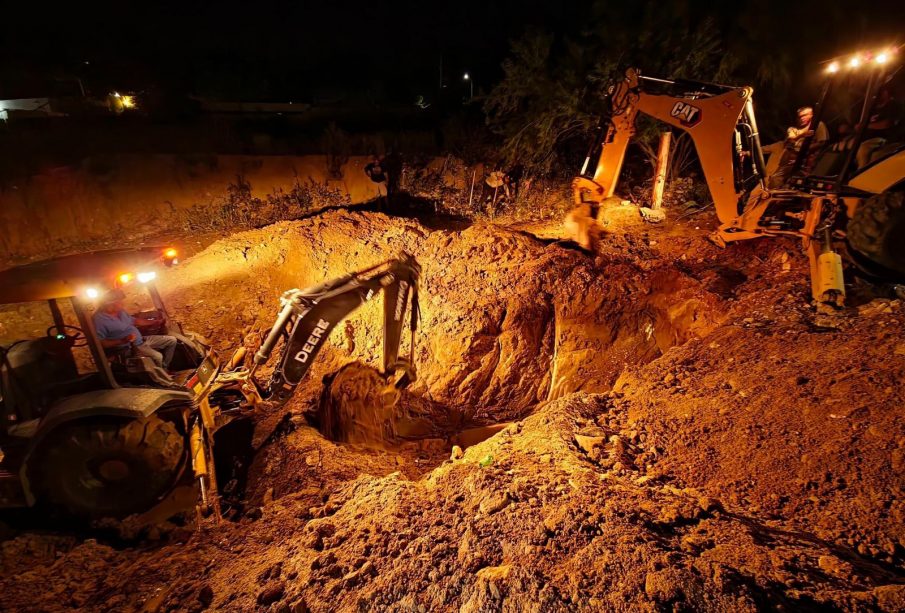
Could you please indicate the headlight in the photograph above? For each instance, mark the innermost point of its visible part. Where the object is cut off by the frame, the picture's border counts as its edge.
(145, 277)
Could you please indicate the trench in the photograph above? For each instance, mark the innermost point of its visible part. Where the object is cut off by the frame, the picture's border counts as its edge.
(357, 406)
(527, 356)
(508, 322)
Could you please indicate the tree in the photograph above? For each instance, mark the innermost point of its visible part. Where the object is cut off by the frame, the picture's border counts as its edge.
(552, 94)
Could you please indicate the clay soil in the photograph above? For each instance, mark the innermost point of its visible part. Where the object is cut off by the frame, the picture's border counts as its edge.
(682, 431)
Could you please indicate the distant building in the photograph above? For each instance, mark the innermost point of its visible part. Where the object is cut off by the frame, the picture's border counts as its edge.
(27, 107)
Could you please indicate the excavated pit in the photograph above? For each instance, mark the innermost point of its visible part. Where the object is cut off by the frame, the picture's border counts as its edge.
(507, 321)
(655, 426)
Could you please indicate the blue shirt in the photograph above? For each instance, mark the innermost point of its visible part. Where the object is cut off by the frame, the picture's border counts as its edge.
(114, 327)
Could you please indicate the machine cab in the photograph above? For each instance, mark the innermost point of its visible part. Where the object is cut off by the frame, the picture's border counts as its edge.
(49, 347)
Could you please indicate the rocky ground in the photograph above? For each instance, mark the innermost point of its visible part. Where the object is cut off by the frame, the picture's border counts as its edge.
(684, 432)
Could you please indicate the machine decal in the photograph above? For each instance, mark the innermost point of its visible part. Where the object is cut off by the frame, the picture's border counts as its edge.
(400, 300)
(317, 335)
(688, 114)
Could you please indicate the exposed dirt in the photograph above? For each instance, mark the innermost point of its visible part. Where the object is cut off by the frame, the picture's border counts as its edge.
(687, 433)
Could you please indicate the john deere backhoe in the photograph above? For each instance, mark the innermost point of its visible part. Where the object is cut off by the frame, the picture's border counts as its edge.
(863, 205)
(99, 435)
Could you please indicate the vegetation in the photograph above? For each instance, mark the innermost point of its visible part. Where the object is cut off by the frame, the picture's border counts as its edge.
(548, 104)
(240, 208)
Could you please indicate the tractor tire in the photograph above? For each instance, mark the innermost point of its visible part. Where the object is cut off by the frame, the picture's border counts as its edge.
(876, 230)
(113, 468)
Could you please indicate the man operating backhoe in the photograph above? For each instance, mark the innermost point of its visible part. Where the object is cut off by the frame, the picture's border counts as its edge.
(783, 153)
(117, 330)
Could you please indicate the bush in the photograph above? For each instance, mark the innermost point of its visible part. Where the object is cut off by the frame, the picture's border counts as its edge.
(241, 209)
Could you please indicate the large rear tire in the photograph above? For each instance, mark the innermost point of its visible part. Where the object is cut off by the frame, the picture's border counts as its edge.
(111, 468)
(877, 229)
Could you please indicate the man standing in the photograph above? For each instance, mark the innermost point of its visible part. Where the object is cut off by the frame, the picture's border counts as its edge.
(376, 172)
(116, 330)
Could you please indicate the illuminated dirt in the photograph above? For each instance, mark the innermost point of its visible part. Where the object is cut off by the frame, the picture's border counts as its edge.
(686, 434)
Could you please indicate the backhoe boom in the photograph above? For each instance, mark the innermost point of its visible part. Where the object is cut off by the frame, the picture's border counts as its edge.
(308, 315)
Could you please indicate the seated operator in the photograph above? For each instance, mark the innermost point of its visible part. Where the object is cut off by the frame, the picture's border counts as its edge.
(116, 330)
(784, 153)
(796, 134)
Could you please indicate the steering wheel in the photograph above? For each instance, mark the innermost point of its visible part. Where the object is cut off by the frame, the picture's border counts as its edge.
(78, 339)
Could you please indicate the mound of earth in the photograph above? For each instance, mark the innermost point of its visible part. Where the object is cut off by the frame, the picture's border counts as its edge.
(686, 434)
(508, 320)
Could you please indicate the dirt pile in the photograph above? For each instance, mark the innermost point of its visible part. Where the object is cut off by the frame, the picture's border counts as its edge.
(791, 419)
(748, 456)
(569, 509)
(508, 320)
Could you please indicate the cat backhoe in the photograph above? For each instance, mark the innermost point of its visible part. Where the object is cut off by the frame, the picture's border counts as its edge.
(820, 202)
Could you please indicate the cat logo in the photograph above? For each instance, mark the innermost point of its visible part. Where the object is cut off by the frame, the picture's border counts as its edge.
(688, 114)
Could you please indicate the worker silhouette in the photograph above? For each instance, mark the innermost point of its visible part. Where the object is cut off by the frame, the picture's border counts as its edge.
(377, 173)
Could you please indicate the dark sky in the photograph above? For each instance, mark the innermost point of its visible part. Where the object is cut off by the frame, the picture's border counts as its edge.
(281, 50)
(270, 49)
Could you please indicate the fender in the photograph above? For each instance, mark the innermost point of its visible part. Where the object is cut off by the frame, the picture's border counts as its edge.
(881, 175)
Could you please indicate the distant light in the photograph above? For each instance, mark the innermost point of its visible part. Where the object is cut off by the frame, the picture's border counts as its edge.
(833, 68)
(92, 293)
(466, 76)
(882, 57)
(126, 277)
(128, 101)
(170, 253)
(854, 62)
(61, 337)
(116, 95)
(145, 277)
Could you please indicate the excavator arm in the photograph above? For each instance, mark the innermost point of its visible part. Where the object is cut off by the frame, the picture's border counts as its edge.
(307, 316)
(716, 117)
(303, 323)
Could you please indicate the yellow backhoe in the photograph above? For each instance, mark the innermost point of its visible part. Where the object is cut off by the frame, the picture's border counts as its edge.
(863, 205)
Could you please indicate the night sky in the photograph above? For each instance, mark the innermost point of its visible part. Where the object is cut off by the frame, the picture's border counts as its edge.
(285, 50)
(270, 50)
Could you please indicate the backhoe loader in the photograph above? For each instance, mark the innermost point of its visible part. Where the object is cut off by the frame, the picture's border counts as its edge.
(98, 435)
(864, 205)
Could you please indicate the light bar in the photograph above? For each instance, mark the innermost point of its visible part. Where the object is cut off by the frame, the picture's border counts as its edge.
(862, 59)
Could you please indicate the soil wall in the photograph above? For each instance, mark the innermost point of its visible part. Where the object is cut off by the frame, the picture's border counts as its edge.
(507, 320)
(136, 196)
